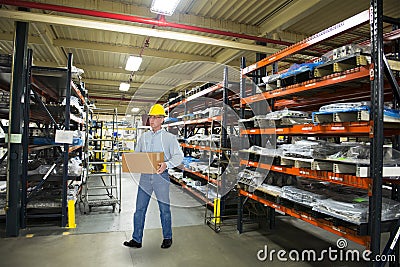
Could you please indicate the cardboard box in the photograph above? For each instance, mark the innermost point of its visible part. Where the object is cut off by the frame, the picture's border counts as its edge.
(141, 162)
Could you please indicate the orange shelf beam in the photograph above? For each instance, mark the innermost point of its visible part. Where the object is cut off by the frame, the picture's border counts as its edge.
(205, 177)
(332, 128)
(330, 32)
(201, 147)
(335, 178)
(353, 74)
(196, 95)
(321, 223)
(195, 193)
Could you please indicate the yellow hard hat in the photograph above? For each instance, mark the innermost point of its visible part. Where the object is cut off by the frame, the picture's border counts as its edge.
(157, 110)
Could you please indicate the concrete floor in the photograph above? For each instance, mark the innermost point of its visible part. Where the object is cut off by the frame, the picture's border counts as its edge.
(98, 238)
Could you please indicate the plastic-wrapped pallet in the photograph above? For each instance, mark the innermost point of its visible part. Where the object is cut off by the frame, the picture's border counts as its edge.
(354, 212)
(313, 149)
(390, 209)
(301, 196)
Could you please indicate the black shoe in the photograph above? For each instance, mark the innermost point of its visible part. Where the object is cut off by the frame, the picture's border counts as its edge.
(132, 244)
(166, 243)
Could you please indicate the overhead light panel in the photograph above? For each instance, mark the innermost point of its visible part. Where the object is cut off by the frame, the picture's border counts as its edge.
(164, 7)
(133, 63)
(124, 87)
(135, 110)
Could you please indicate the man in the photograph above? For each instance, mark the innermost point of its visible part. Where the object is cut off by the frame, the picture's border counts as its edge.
(156, 140)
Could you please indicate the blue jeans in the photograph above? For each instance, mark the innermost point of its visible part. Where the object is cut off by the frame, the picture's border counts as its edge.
(159, 183)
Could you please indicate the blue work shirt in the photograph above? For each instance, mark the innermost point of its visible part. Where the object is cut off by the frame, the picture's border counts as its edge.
(161, 141)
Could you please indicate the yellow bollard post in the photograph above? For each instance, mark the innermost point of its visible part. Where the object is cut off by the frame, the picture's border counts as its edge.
(71, 214)
(217, 211)
(104, 167)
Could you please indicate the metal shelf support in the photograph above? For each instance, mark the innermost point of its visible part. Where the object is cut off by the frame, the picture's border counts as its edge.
(15, 130)
(376, 76)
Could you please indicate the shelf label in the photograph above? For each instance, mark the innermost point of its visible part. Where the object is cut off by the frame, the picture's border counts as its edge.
(64, 137)
(336, 178)
(337, 128)
(338, 78)
(304, 172)
(279, 130)
(306, 129)
(310, 84)
(277, 169)
(252, 131)
(14, 138)
(338, 229)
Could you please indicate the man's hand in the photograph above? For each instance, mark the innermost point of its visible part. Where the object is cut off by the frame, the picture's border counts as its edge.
(161, 167)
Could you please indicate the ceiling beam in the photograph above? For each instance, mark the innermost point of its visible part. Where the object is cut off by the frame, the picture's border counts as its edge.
(133, 85)
(45, 34)
(104, 47)
(31, 39)
(291, 14)
(148, 52)
(126, 7)
(131, 29)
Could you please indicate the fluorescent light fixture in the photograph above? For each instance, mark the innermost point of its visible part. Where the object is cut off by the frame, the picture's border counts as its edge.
(134, 110)
(133, 63)
(124, 87)
(164, 7)
(128, 115)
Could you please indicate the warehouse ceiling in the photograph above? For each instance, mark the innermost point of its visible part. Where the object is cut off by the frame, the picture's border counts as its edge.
(101, 46)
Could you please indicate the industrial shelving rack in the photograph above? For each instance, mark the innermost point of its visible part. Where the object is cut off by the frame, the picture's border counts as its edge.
(327, 89)
(189, 128)
(223, 204)
(5, 78)
(45, 193)
(102, 175)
